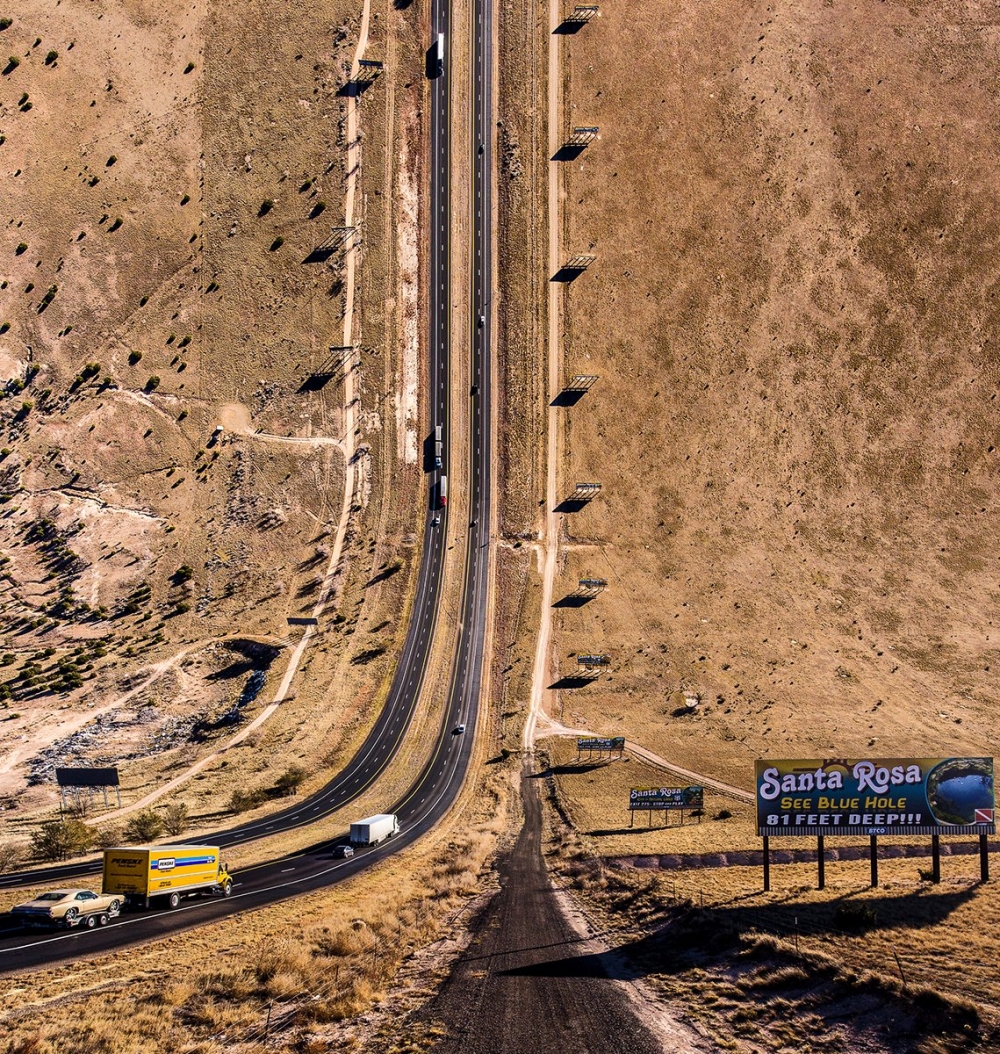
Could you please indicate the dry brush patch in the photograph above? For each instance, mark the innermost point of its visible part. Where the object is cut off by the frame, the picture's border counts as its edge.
(305, 965)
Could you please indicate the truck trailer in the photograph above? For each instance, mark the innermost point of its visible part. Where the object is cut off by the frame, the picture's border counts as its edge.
(442, 494)
(374, 829)
(438, 445)
(164, 874)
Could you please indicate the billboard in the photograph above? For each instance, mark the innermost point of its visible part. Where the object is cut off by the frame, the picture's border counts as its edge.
(666, 798)
(87, 777)
(875, 796)
(618, 743)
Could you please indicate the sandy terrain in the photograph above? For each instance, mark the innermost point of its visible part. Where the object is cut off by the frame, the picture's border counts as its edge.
(179, 180)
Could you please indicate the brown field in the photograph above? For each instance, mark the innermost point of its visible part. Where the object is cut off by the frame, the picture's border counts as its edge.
(791, 312)
(799, 501)
(222, 151)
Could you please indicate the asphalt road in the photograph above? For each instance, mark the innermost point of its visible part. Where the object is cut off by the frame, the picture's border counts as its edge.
(437, 784)
(524, 983)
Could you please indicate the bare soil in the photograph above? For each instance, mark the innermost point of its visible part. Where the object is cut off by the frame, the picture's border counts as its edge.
(136, 537)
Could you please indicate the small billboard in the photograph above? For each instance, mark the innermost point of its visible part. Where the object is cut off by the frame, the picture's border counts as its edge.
(666, 798)
(601, 745)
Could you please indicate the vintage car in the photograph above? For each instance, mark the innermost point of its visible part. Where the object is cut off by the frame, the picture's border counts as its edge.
(69, 908)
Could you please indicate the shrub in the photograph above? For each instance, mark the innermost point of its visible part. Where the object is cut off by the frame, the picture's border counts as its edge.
(175, 818)
(185, 199)
(153, 383)
(144, 826)
(12, 63)
(58, 839)
(134, 358)
(21, 249)
(111, 160)
(51, 57)
(856, 916)
(317, 210)
(265, 207)
(11, 856)
(184, 573)
(6, 23)
(277, 244)
(189, 67)
(118, 222)
(289, 781)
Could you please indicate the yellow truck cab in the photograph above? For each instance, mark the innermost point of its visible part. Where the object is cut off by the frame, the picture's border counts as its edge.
(149, 874)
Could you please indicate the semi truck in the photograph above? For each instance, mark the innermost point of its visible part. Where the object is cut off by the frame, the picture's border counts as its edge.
(147, 875)
(374, 829)
(442, 494)
(439, 54)
(438, 445)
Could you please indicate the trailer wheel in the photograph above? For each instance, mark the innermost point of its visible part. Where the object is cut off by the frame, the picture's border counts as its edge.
(174, 900)
(90, 921)
(102, 919)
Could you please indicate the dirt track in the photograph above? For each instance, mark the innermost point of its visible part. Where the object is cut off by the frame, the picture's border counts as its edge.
(528, 981)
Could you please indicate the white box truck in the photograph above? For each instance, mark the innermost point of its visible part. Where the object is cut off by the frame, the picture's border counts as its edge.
(374, 829)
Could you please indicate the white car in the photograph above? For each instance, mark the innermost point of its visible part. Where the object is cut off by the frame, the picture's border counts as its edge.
(459, 730)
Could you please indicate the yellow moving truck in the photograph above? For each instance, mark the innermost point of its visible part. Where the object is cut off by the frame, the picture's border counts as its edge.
(164, 873)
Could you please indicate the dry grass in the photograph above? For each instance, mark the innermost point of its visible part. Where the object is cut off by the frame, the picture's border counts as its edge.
(314, 962)
(795, 433)
(798, 505)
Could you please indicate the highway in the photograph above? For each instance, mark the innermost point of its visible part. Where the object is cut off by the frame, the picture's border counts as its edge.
(436, 786)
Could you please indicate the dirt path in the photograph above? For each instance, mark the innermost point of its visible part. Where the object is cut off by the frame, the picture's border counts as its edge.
(532, 980)
(550, 727)
(549, 549)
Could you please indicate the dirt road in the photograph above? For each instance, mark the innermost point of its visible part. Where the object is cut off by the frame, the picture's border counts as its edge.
(529, 982)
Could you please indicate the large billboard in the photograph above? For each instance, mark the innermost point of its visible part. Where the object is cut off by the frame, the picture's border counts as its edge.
(875, 796)
(666, 798)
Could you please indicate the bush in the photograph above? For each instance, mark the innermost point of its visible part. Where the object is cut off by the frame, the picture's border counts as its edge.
(175, 818)
(144, 826)
(242, 800)
(265, 206)
(106, 837)
(6, 23)
(153, 383)
(51, 57)
(11, 856)
(59, 839)
(856, 917)
(21, 249)
(134, 358)
(289, 781)
(12, 63)
(277, 243)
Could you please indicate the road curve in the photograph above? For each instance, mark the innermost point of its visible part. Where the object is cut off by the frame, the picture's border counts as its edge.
(438, 783)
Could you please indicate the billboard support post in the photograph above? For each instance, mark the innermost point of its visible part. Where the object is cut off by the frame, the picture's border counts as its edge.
(821, 861)
(984, 859)
(936, 859)
(767, 864)
(874, 856)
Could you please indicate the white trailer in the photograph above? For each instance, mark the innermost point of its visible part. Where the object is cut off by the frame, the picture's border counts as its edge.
(374, 829)
(439, 53)
(438, 445)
